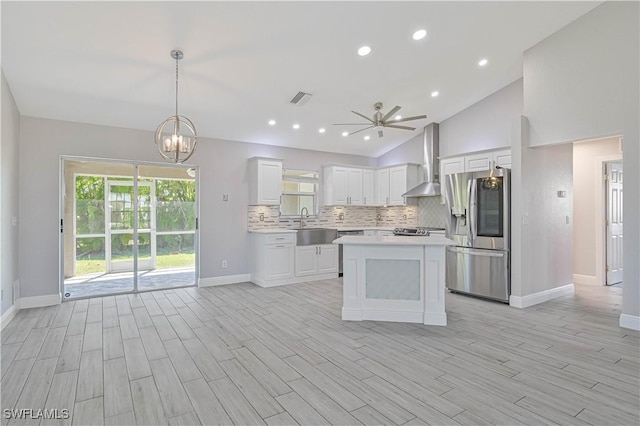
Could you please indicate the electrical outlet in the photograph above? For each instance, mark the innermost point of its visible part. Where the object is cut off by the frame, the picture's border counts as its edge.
(1, 294)
(261, 217)
(341, 216)
(224, 264)
(14, 221)
(225, 197)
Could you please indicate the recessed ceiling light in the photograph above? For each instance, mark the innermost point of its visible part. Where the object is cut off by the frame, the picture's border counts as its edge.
(419, 35)
(272, 122)
(364, 51)
(296, 126)
(366, 138)
(435, 93)
(345, 133)
(321, 130)
(483, 62)
(398, 117)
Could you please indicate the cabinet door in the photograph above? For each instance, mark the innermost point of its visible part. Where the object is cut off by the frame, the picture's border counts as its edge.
(327, 259)
(449, 166)
(368, 188)
(502, 158)
(478, 162)
(340, 186)
(279, 261)
(306, 260)
(397, 185)
(382, 187)
(354, 186)
(269, 182)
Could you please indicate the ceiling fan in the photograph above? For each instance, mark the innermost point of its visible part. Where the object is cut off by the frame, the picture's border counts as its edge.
(379, 121)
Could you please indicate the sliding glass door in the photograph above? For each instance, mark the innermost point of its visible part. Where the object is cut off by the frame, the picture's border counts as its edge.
(127, 227)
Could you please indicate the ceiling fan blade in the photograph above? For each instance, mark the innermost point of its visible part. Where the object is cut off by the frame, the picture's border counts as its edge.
(390, 113)
(399, 127)
(363, 116)
(417, 117)
(380, 134)
(361, 130)
(350, 124)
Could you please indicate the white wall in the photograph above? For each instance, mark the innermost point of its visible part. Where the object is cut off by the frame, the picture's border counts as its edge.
(582, 83)
(484, 125)
(223, 225)
(587, 180)
(9, 194)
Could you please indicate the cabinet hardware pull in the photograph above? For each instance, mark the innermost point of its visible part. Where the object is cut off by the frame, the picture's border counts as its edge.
(280, 246)
(280, 238)
(320, 249)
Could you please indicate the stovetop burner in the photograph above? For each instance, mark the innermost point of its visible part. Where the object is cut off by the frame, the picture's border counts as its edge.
(418, 232)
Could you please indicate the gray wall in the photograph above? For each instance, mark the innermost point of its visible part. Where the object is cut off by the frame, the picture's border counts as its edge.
(9, 194)
(582, 83)
(223, 170)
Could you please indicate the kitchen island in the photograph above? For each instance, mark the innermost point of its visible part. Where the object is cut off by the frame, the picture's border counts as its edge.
(394, 278)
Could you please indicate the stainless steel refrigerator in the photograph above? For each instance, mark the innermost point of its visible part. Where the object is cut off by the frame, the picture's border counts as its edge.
(478, 221)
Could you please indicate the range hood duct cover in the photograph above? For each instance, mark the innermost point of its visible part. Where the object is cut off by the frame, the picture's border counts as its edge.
(431, 149)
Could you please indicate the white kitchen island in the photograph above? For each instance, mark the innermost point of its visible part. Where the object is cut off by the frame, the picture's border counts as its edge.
(394, 278)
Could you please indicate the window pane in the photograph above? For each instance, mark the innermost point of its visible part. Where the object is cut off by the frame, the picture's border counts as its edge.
(176, 209)
(290, 205)
(90, 256)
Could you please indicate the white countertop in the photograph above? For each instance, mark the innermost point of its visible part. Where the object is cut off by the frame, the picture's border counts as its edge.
(396, 240)
(274, 231)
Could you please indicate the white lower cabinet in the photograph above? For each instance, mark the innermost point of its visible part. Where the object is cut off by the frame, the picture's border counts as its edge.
(277, 260)
(315, 260)
(272, 258)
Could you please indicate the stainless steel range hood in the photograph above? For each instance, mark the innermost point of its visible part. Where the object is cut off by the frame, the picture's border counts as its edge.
(430, 166)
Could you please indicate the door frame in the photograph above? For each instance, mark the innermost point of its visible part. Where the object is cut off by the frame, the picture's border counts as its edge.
(63, 227)
(600, 226)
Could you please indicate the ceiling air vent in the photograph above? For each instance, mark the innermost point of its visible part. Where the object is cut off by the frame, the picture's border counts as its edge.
(301, 98)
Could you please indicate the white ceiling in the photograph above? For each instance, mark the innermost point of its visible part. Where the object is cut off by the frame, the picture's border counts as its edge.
(108, 63)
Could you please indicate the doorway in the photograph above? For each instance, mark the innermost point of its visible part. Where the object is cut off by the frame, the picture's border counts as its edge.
(597, 238)
(127, 227)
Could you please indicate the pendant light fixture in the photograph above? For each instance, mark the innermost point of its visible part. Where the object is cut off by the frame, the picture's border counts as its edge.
(176, 137)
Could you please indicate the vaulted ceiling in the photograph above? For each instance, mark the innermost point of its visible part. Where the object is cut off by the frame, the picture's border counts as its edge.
(108, 63)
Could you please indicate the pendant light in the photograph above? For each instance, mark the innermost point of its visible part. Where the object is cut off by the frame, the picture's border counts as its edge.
(176, 137)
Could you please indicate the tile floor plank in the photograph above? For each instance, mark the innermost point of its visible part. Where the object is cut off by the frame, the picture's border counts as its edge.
(237, 407)
(90, 376)
(172, 395)
(146, 402)
(88, 412)
(302, 412)
(205, 404)
(136, 358)
(117, 394)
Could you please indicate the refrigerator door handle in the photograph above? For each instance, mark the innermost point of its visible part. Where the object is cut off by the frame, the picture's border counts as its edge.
(476, 252)
(473, 217)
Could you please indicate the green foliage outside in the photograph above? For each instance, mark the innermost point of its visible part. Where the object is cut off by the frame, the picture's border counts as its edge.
(175, 211)
(165, 261)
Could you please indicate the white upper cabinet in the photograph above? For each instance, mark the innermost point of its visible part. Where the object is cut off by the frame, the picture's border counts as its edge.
(382, 187)
(475, 162)
(368, 188)
(395, 181)
(265, 185)
(343, 186)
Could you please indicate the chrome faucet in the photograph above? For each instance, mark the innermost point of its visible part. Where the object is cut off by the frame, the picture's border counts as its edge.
(304, 209)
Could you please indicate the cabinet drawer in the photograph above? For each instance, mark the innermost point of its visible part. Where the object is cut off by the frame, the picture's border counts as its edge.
(280, 239)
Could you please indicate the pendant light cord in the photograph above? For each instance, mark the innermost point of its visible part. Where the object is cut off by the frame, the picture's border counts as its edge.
(177, 59)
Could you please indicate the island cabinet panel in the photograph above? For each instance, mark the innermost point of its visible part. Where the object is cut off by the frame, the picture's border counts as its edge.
(394, 279)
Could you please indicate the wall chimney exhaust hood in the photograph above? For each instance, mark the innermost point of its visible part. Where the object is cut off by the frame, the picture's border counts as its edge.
(431, 166)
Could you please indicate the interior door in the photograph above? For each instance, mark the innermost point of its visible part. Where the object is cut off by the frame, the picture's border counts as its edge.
(120, 228)
(614, 222)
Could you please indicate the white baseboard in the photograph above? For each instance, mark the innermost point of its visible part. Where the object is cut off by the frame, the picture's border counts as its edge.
(542, 296)
(8, 316)
(224, 280)
(630, 321)
(38, 301)
(585, 279)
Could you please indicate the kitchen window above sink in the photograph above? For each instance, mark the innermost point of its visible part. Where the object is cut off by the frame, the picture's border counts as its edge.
(299, 190)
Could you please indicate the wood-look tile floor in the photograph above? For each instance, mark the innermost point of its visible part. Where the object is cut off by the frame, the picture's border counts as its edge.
(241, 354)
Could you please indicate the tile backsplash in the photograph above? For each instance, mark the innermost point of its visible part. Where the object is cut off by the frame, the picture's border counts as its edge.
(431, 212)
(336, 216)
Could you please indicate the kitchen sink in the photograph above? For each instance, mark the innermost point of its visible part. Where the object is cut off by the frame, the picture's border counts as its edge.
(313, 236)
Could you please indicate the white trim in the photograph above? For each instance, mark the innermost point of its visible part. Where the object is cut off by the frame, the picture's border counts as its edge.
(8, 316)
(295, 280)
(38, 301)
(630, 321)
(585, 279)
(223, 280)
(542, 296)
